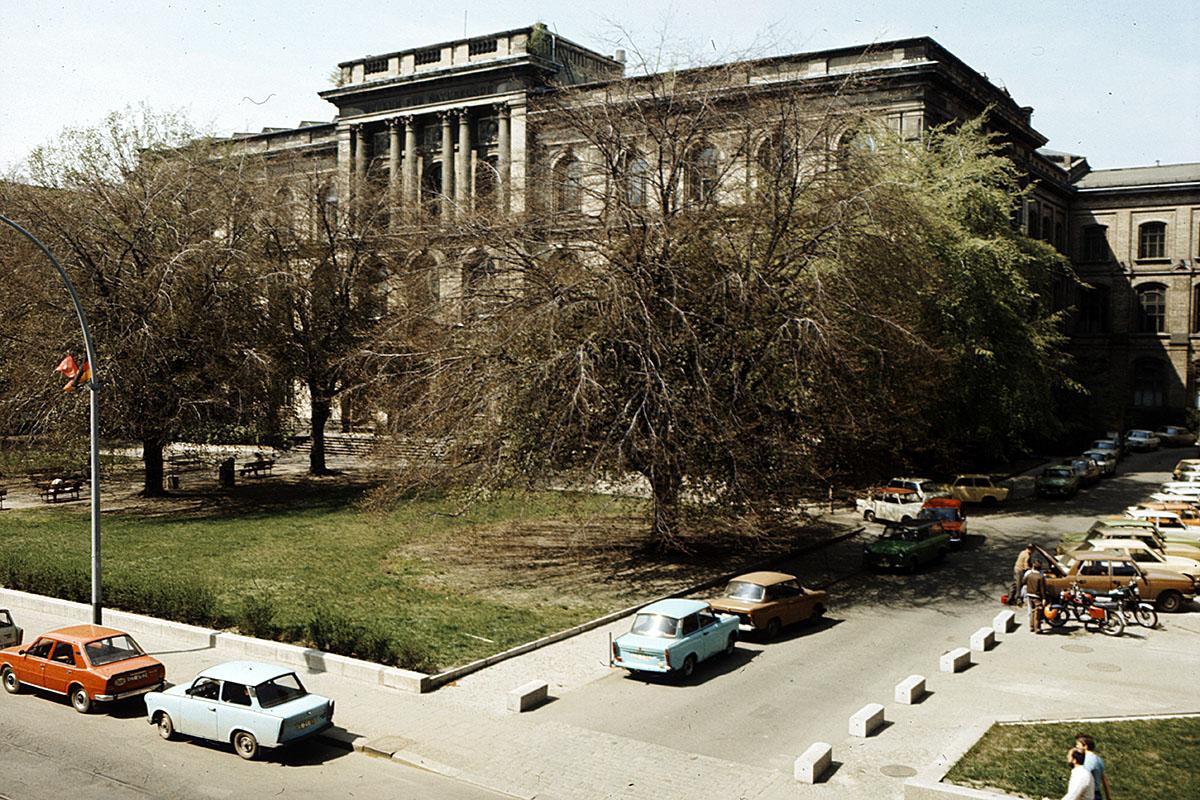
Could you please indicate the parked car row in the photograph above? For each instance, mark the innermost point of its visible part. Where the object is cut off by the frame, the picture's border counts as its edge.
(248, 704)
(675, 635)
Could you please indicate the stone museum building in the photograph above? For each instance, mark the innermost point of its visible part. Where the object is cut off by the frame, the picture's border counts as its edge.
(461, 126)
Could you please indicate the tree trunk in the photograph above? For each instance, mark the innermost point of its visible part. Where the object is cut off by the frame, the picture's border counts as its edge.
(666, 483)
(316, 456)
(152, 459)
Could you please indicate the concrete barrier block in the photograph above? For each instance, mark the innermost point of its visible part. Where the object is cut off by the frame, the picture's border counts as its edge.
(1004, 622)
(528, 696)
(956, 660)
(983, 640)
(910, 690)
(866, 720)
(817, 759)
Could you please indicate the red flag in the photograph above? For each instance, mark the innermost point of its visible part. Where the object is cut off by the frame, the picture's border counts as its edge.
(68, 367)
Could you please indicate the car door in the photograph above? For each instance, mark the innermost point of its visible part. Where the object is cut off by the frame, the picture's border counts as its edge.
(31, 669)
(59, 670)
(8, 631)
(1093, 575)
(1121, 572)
(693, 641)
(198, 709)
(799, 604)
(710, 641)
(234, 710)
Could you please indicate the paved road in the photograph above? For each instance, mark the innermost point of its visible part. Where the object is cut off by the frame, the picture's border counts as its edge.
(47, 750)
(761, 706)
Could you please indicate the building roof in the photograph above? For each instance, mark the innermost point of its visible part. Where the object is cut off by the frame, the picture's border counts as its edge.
(1136, 177)
(250, 673)
(675, 608)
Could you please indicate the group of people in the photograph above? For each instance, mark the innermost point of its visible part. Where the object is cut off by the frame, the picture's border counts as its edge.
(1029, 586)
(1087, 772)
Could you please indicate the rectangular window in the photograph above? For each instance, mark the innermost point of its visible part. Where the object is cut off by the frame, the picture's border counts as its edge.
(1152, 240)
(478, 47)
(1093, 311)
(427, 56)
(375, 65)
(1095, 244)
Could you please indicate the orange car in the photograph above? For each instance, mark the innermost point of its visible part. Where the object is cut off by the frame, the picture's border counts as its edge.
(768, 601)
(87, 663)
(949, 512)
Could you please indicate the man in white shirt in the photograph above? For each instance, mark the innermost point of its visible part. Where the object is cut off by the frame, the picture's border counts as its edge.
(1081, 785)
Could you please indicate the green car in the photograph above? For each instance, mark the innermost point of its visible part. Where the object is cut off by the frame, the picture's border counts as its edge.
(907, 546)
(1056, 482)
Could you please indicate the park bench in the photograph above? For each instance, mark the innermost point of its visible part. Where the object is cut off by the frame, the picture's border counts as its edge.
(51, 492)
(257, 469)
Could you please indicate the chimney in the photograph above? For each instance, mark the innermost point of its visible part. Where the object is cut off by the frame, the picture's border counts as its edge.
(619, 55)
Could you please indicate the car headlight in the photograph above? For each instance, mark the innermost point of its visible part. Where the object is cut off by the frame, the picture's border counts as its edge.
(119, 681)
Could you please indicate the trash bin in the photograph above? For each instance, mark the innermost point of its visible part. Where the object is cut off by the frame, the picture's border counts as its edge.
(225, 473)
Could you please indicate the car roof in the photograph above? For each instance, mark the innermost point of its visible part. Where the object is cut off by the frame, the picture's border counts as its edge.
(897, 489)
(914, 480)
(82, 634)
(943, 502)
(250, 673)
(1151, 513)
(1117, 544)
(675, 608)
(765, 578)
(972, 475)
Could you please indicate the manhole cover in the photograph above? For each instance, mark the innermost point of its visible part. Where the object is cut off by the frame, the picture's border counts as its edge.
(898, 771)
(1102, 667)
(1077, 648)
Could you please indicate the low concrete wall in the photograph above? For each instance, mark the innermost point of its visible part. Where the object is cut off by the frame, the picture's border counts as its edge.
(528, 696)
(224, 643)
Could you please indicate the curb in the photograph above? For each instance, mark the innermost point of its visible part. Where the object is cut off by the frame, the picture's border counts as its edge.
(232, 644)
(440, 679)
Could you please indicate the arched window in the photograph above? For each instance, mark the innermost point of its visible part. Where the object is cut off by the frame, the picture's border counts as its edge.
(1149, 383)
(637, 180)
(1151, 308)
(567, 178)
(1152, 240)
(701, 175)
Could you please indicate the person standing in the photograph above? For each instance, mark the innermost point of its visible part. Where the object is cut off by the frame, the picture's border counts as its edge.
(1035, 590)
(1095, 765)
(1081, 786)
(1019, 569)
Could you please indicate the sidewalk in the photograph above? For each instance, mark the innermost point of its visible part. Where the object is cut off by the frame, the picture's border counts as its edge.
(463, 731)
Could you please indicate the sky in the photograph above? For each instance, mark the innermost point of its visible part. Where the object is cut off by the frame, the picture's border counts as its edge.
(1118, 82)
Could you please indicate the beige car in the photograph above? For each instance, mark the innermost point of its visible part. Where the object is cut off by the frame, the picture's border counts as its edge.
(766, 601)
(1155, 540)
(1103, 571)
(1143, 554)
(1187, 465)
(978, 489)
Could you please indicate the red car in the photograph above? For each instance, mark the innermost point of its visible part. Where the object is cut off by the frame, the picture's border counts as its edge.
(949, 512)
(87, 663)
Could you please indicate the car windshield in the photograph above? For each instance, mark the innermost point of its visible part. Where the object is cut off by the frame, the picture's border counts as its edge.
(1056, 473)
(900, 534)
(1104, 445)
(744, 590)
(945, 514)
(655, 625)
(278, 691)
(112, 649)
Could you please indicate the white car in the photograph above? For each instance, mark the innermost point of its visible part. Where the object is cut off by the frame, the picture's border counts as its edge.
(890, 504)
(10, 634)
(1142, 440)
(924, 488)
(246, 703)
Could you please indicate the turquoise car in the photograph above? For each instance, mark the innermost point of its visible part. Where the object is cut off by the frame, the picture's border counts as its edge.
(674, 636)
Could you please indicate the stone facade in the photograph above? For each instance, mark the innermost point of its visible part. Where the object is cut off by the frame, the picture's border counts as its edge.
(465, 125)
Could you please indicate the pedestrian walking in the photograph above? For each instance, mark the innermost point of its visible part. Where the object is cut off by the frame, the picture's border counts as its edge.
(1035, 591)
(1019, 569)
(1080, 786)
(1095, 765)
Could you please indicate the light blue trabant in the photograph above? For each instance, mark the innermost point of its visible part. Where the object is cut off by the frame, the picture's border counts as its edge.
(248, 704)
(674, 636)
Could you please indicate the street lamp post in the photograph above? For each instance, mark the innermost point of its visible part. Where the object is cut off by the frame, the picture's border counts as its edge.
(94, 406)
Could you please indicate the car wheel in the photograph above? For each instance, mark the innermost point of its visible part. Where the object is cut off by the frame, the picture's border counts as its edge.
(689, 667)
(1169, 602)
(166, 728)
(730, 645)
(773, 627)
(906, 520)
(80, 700)
(12, 684)
(246, 746)
(869, 516)
(818, 611)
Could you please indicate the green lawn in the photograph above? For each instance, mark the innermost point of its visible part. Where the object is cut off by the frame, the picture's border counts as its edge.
(1146, 759)
(437, 579)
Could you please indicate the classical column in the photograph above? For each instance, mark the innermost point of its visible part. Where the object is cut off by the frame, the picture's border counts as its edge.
(504, 146)
(393, 169)
(345, 160)
(447, 161)
(462, 176)
(409, 178)
(360, 154)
